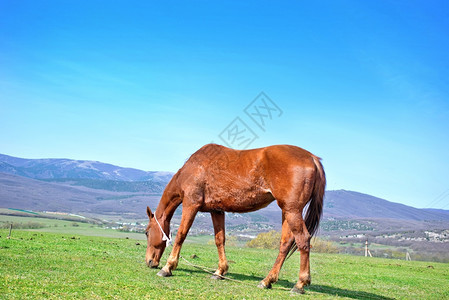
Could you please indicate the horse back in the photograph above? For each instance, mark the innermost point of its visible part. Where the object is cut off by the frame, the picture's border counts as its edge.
(217, 178)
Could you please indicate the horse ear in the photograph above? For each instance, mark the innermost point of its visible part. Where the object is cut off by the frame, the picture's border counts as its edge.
(149, 213)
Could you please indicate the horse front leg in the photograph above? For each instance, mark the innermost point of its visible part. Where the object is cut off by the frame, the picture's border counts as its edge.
(284, 247)
(218, 220)
(188, 215)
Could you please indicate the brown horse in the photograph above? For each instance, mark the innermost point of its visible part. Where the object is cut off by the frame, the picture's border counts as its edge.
(216, 179)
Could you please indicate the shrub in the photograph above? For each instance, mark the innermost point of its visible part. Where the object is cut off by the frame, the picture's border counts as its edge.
(323, 246)
(267, 240)
(17, 225)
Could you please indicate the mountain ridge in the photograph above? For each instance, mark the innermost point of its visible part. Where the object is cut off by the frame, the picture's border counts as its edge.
(57, 168)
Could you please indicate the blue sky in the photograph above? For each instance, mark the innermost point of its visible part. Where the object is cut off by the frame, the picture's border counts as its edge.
(364, 85)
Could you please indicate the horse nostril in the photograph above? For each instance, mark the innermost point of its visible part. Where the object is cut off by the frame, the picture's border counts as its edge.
(152, 264)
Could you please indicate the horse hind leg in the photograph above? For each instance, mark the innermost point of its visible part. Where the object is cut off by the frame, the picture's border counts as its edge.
(284, 247)
(218, 220)
(302, 239)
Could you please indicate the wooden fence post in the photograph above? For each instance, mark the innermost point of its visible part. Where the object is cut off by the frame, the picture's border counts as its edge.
(10, 229)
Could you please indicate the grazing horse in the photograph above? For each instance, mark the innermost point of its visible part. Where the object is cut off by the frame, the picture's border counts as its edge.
(217, 179)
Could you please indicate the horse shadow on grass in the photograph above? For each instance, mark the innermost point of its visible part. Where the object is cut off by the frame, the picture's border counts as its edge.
(317, 288)
(333, 291)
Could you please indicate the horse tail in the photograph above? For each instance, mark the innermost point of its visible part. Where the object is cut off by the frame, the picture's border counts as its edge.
(315, 209)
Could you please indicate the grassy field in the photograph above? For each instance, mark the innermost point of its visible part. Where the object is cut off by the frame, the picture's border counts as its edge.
(68, 228)
(71, 227)
(35, 264)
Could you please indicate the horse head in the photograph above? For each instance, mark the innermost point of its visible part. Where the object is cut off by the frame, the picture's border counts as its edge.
(157, 240)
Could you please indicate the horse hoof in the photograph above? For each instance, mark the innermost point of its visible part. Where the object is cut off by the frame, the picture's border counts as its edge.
(216, 277)
(162, 273)
(262, 285)
(297, 290)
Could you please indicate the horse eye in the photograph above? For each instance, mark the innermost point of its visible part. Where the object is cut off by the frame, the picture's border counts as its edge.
(146, 233)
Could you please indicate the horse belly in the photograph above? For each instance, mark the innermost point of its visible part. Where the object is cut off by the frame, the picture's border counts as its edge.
(238, 201)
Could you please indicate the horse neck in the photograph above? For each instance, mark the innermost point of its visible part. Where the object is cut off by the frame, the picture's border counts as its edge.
(170, 200)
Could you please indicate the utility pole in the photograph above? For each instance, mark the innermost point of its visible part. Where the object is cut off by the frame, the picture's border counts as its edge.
(367, 250)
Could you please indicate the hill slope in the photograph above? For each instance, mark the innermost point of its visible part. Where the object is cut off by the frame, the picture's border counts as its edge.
(26, 193)
(349, 204)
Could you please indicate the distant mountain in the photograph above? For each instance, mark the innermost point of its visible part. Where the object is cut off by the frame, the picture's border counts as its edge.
(348, 204)
(76, 169)
(442, 212)
(31, 194)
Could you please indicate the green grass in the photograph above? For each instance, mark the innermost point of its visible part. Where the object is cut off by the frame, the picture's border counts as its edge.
(56, 265)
